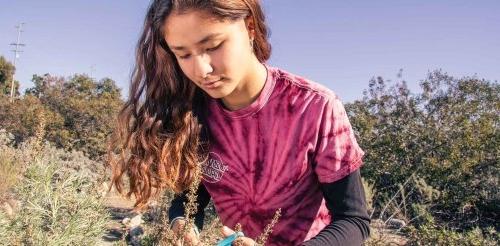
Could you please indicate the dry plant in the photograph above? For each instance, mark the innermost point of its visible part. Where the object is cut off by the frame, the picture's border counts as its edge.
(162, 234)
(191, 207)
(14, 162)
(57, 206)
(37, 143)
(9, 170)
(397, 205)
(392, 200)
(269, 228)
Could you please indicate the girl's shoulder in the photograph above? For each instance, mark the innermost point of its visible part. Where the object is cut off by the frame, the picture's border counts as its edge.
(298, 85)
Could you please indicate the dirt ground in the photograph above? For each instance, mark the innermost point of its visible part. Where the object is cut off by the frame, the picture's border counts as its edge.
(119, 208)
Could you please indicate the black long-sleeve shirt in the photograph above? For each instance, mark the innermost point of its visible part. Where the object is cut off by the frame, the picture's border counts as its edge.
(345, 199)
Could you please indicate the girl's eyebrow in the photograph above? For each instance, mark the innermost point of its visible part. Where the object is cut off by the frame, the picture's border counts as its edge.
(203, 40)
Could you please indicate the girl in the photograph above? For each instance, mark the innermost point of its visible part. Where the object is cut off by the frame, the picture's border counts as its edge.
(203, 94)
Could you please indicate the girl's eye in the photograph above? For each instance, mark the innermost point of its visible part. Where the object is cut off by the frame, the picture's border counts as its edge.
(208, 49)
(215, 48)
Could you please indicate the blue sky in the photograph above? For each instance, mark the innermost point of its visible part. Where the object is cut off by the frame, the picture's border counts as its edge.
(341, 44)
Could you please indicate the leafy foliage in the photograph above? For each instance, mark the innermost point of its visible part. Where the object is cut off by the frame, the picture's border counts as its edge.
(445, 138)
(59, 206)
(6, 72)
(80, 112)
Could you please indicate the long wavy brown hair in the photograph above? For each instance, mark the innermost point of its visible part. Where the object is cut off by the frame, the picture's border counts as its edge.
(160, 139)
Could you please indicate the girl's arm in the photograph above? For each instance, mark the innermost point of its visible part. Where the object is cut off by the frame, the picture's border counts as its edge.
(176, 209)
(350, 225)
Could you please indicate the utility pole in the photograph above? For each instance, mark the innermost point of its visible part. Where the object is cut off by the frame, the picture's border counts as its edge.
(16, 51)
(92, 70)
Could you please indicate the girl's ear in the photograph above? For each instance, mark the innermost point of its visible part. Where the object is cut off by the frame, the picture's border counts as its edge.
(250, 24)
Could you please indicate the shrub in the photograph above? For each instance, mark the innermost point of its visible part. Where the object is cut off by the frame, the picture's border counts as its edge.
(446, 136)
(59, 206)
(430, 234)
(9, 171)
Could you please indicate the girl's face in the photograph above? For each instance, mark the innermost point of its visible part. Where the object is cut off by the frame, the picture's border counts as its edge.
(216, 55)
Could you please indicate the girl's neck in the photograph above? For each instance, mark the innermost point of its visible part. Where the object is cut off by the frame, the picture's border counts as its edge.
(248, 90)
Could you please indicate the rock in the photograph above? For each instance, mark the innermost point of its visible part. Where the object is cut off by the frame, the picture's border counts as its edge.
(126, 221)
(134, 236)
(136, 221)
(136, 231)
(396, 223)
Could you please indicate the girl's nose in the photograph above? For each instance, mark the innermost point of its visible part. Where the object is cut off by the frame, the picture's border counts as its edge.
(202, 67)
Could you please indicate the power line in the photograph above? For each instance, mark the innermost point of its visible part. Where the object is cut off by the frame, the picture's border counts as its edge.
(16, 51)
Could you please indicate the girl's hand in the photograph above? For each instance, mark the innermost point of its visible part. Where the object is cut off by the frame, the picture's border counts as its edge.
(244, 241)
(191, 238)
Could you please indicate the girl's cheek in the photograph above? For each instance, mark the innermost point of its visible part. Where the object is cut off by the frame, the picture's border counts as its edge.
(184, 68)
(228, 58)
(187, 69)
(218, 61)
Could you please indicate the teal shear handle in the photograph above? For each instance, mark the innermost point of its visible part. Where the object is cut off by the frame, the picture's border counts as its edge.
(229, 240)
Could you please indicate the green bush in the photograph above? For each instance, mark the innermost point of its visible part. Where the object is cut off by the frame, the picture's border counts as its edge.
(59, 206)
(433, 235)
(445, 138)
(79, 111)
(431, 159)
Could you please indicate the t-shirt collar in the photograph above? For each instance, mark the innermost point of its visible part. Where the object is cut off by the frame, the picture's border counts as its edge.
(256, 105)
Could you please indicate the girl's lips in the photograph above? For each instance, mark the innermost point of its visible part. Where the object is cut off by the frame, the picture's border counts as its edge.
(213, 84)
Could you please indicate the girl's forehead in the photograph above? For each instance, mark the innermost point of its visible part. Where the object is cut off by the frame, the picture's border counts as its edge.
(192, 27)
(191, 21)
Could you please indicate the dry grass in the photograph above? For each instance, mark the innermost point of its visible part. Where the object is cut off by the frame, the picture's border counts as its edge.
(13, 162)
(58, 206)
(9, 171)
(380, 235)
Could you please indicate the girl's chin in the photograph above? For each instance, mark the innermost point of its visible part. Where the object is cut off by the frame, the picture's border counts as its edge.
(218, 92)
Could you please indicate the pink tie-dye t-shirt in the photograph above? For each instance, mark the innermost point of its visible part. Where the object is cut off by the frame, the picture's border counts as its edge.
(274, 153)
